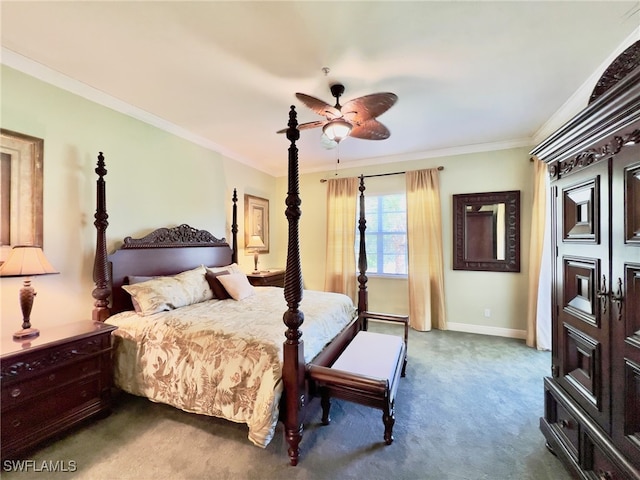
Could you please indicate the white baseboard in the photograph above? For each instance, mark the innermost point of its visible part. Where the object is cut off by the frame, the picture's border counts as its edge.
(486, 330)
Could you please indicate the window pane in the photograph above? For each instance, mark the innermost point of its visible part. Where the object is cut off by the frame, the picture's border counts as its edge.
(386, 234)
(395, 264)
(394, 244)
(372, 222)
(372, 263)
(394, 222)
(371, 206)
(393, 203)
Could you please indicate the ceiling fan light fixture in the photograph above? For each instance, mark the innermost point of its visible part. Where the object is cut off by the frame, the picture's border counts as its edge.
(336, 130)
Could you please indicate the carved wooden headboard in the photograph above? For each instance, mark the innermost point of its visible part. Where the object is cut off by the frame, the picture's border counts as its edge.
(166, 251)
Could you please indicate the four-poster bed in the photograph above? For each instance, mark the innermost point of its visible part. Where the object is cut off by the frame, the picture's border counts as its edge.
(179, 251)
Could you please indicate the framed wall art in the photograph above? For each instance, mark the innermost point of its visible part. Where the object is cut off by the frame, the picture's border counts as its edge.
(256, 223)
(21, 159)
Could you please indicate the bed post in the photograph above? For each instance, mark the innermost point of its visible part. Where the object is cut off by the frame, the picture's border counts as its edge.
(234, 227)
(293, 369)
(102, 289)
(363, 296)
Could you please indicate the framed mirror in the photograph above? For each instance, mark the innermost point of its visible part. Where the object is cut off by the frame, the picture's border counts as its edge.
(486, 231)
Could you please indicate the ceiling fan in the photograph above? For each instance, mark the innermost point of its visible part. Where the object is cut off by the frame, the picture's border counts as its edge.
(356, 118)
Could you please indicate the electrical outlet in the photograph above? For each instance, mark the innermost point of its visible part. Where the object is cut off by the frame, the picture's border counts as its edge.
(487, 312)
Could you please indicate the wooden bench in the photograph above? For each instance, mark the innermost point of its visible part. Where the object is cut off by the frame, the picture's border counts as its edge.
(367, 371)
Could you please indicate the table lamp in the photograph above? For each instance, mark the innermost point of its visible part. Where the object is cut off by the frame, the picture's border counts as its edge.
(26, 261)
(256, 243)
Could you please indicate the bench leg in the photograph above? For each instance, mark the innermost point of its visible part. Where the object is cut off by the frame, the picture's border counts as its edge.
(388, 418)
(325, 401)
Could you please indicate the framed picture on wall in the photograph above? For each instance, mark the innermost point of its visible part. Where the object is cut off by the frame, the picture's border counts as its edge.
(20, 190)
(256, 224)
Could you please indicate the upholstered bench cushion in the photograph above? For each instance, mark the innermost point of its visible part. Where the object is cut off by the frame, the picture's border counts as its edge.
(366, 372)
(371, 354)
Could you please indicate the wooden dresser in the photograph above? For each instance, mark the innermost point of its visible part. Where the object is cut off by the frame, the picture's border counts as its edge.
(592, 398)
(268, 278)
(53, 382)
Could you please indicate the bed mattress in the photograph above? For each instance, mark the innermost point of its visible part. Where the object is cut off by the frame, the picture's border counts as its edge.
(222, 357)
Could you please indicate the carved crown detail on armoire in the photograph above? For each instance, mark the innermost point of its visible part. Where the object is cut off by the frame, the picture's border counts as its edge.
(592, 398)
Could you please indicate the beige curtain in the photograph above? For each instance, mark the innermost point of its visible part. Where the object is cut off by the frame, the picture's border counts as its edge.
(426, 262)
(340, 270)
(538, 269)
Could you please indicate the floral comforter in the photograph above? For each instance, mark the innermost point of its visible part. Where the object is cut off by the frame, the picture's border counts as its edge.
(222, 357)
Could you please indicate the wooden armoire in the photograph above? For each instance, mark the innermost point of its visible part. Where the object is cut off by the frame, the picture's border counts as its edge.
(592, 398)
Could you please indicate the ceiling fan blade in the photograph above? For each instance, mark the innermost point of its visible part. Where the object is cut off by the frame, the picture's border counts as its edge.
(371, 129)
(305, 126)
(371, 106)
(319, 106)
(314, 124)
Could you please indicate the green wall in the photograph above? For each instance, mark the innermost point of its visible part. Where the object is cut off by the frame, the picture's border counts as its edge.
(159, 179)
(154, 179)
(468, 294)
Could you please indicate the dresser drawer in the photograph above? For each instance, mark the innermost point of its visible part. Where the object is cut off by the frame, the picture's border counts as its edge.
(562, 422)
(32, 364)
(43, 410)
(567, 427)
(597, 463)
(52, 383)
(15, 392)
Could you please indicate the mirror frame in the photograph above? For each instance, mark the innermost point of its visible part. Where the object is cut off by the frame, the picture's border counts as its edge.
(511, 263)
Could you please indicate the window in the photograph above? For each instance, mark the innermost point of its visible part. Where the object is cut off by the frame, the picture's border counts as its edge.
(386, 234)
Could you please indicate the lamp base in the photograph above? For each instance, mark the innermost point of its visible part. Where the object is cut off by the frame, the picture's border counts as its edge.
(26, 333)
(255, 262)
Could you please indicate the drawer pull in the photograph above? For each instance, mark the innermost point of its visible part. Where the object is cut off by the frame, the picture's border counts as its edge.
(566, 423)
(83, 394)
(602, 475)
(52, 377)
(16, 423)
(16, 392)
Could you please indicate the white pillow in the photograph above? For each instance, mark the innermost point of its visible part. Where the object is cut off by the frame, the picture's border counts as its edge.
(237, 285)
(167, 293)
(232, 268)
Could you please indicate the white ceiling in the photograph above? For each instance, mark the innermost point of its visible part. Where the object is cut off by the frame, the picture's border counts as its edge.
(469, 75)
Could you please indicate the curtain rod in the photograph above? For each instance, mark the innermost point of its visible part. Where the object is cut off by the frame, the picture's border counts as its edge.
(323, 180)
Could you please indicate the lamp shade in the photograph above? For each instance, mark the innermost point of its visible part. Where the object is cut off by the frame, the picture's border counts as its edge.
(255, 242)
(337, 130)
(25, 261)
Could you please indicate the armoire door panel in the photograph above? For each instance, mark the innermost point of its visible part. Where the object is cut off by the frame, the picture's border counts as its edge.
(632, 203)
(582, 362)
(581, 205)
(626, 304)
(580, 293)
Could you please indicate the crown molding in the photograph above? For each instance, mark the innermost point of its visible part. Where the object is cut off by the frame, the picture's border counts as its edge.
(60, 80)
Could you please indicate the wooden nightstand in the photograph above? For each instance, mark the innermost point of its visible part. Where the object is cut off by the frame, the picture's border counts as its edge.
(52, 382)
(267, 278)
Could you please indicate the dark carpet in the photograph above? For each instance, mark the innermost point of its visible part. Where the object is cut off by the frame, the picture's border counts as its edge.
(468, 409)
